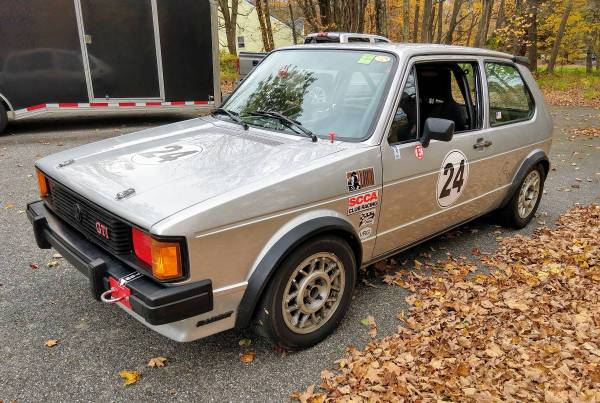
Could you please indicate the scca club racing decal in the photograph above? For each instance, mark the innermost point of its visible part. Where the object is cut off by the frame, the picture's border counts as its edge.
(363, 202)
(452, 178)
(171, 152)
(359, 179)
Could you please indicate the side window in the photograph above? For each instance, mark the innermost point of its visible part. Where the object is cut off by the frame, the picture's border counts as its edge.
(510, 99)
(404, 126)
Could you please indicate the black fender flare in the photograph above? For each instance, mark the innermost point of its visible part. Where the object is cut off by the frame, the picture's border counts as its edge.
(269, 263)
(536, 157)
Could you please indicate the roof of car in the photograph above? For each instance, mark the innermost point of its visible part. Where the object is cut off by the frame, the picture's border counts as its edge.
(410, 49)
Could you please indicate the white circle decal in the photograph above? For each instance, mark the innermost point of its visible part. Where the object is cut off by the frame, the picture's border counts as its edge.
(452, 178)
(172, 152)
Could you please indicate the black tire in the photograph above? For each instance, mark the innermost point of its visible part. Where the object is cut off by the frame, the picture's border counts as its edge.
(509, 215)
(269, 319)
(3, 118)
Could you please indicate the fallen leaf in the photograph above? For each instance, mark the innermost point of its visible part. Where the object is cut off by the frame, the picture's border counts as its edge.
(248, 357)
(34, 266)
(129, 377)
(157, 362)
(51, 342)
(245, 342)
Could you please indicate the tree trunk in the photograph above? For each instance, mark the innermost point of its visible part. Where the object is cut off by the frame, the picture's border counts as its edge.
(425, 21)
(471, 26)
(405, 20)
(293, 21)
(416, 22)
(559, 35)
(267, 14)
(516, 45)
(263, 25)
(488, 19)
(455, 11)
(532, 34)
(380, 17)
(230, 18)
(310, 13)
(325, 12)
(486, 10)
(440, 21)
(431, 27)
(500, 19)
(588, 58)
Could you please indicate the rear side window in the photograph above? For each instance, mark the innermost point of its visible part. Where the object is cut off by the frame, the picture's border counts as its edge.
(510, 99)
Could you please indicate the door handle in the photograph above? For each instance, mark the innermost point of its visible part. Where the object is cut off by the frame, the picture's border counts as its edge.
(481, 144)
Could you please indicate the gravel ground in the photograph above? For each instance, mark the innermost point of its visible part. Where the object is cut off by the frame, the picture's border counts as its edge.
(96, 341)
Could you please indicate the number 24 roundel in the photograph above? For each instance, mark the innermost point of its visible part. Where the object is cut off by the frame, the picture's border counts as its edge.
(452, 178)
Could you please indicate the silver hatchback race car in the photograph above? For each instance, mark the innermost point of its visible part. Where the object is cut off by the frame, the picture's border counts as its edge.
(324, 160)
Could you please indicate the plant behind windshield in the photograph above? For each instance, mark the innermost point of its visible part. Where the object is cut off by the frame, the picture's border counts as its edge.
(327, 90)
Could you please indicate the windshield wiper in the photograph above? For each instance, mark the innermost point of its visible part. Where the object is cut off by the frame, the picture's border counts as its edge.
(286, 121)
(232, 115)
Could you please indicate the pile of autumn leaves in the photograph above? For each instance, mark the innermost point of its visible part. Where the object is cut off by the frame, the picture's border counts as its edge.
(527, 331)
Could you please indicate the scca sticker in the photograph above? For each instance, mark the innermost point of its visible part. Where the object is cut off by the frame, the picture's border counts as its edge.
(452, 178)
(363, 202)
(365, 233)
(360, 178)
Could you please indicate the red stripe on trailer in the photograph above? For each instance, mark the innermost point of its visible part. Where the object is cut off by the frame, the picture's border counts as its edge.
(33, 108)
(153, 103)
(98, 104)
(126, 103)
(200, 102)
(178, 103)
(68, 105)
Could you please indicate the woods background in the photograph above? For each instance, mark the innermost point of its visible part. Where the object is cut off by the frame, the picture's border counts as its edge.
(548, 32)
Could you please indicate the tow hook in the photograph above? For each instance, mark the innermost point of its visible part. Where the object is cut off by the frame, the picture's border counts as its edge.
(118, 289)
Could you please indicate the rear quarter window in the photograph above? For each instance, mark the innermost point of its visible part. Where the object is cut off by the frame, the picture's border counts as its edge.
(509, 98)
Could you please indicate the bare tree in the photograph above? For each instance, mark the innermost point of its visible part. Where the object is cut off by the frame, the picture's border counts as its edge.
(293, 23)
(267, 14)
(381, 17)
(440, 15)
(425, 32)
(532, 6)
(230, 18)
(559, 35)
(453, 19)
(405, 20)
(416, 22)
(484, 21)
(264, 28)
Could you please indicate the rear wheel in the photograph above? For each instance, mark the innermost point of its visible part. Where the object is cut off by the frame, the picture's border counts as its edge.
(522, 206)
(3, 118)
(309, 294)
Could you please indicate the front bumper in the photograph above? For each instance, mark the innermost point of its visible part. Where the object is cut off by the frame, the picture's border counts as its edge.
(151, 301)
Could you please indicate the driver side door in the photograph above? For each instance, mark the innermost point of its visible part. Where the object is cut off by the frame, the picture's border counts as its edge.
(427, 190)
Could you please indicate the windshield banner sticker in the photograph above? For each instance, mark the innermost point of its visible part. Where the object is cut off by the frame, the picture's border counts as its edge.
(366, 59)
(359, 179)
(363, 202)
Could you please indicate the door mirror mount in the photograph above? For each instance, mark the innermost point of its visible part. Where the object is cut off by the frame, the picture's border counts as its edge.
(437, 129)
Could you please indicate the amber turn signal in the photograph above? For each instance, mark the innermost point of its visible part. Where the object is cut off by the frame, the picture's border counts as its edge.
(42, 184)
(166, 260)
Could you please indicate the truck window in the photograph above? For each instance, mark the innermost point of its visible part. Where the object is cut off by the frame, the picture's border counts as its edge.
(509, 97)
(404, 125)
(357, 39)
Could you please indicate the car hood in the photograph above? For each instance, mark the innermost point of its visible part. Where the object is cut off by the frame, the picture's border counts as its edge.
(176, 166)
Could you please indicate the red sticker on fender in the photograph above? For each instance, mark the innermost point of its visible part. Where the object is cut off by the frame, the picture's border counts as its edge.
(419, 151)
(363, 202)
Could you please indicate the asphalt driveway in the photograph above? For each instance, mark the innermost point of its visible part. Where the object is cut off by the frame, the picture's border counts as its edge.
(96, 341)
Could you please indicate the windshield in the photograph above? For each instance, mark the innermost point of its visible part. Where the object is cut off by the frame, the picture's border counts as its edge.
(325, 91)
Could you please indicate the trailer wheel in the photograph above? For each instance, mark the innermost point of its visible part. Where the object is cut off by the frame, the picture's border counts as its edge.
(3, 118)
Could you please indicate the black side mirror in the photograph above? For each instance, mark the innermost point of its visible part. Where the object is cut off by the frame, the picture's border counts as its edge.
(437, 129)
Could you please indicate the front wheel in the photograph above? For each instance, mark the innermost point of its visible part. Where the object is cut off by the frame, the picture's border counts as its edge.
(309, 294)
(522, 207)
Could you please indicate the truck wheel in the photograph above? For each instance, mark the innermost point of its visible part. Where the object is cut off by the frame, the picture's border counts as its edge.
(309, 294)
(3, 118)
(521, 208)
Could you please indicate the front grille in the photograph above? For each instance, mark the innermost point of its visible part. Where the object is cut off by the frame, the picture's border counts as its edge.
(86, 216)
